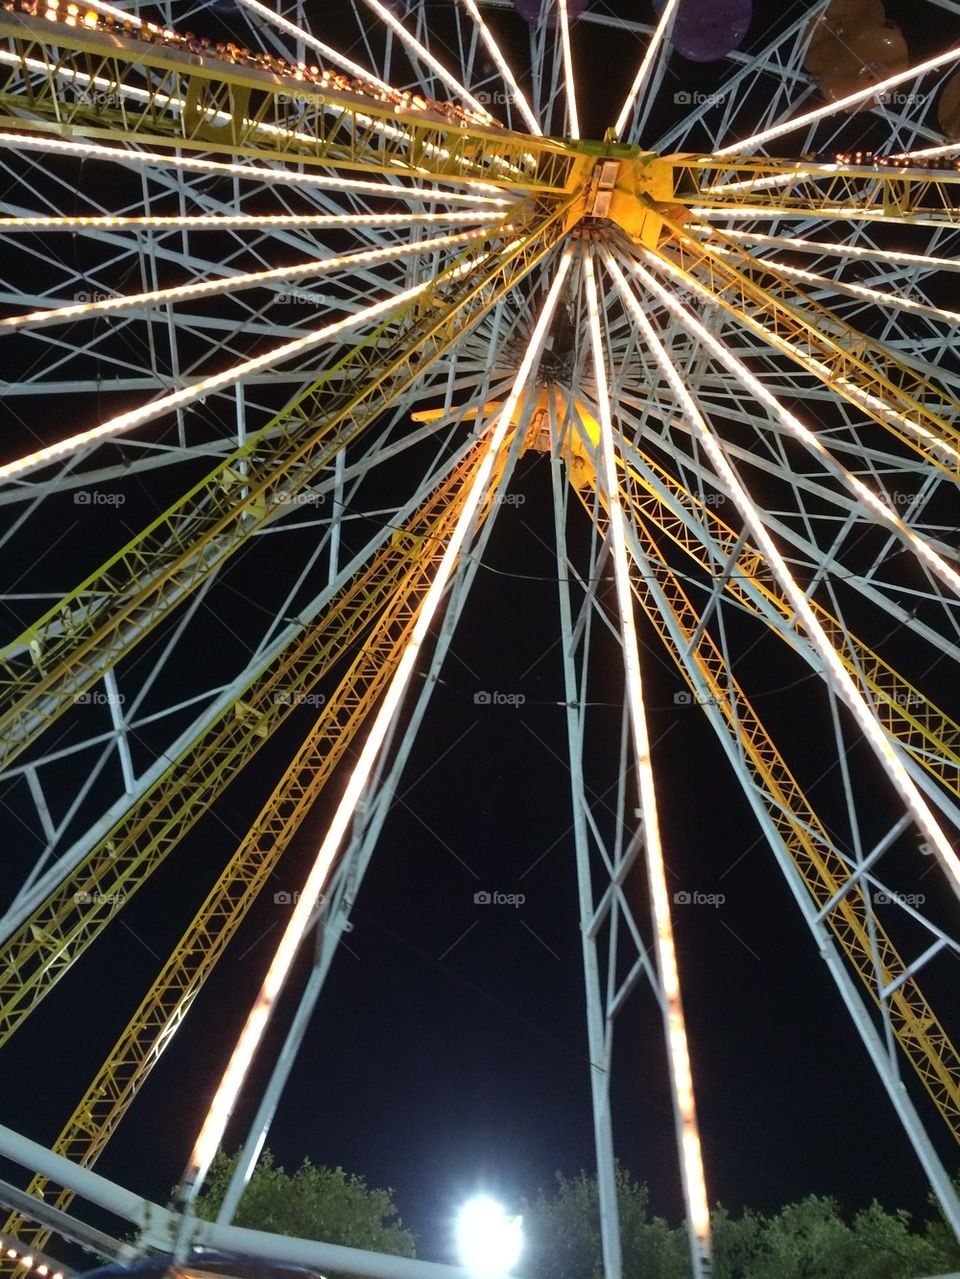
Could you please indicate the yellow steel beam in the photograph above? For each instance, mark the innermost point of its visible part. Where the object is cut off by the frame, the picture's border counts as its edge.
(98, 84)
(925, 731)
(920, 414)
(791, 188)
(60, 930)
(153, 1025)
(629, 184)
(825, 874)
(88, 631)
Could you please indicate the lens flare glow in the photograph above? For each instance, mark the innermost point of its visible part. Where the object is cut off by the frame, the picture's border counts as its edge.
(488, 1240)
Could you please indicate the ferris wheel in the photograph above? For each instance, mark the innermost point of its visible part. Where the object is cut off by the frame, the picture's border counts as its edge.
(288, 294)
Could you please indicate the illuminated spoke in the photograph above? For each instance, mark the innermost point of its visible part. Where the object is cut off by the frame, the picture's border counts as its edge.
(518, 96)
(919, 545)
(253, 173)
(188, 395)
(309, 39)
(757, 140)
(695, 1191)
(570, 82)
(658, 40)
(854, 251)
(244, 221)
(209, 288)
(424, 55)
(878, 296)
(228, 1090)
(836, 673)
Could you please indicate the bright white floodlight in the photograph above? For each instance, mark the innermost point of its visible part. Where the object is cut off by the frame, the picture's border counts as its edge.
(489, 1241)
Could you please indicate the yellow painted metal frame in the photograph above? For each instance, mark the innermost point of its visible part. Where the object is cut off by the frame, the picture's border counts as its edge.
(161, 96)
(825, 874)
(68, 648)
(416, 550)
(843, 358)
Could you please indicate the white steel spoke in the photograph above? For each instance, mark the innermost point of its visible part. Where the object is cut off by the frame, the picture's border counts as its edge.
(660, 38)
(519, 97)
(884, 513)
(187, 395)
(228, 1090)
(207, 288)
(418, 51)
(853, 251)
(837, 674)
(570, 82)
(309, 39)
(95, 151)
(243, 221)
(688, 1135)
(757, 140)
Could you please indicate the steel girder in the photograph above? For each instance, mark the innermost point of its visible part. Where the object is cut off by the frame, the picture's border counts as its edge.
(71, 646)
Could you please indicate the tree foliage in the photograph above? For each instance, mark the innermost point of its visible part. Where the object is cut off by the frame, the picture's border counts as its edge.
(806, 1240)
(312, 1203)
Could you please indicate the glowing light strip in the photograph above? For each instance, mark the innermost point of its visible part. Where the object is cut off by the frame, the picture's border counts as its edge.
(224, 1100)
(660, 34)
(841, 104)
(880, 296)
(844, 212)
(94, 151)
(503, 67)
(844, 250)
(175, 104)
(856, 393)
(27, 1261)
(206, 288)
(120, 14)
(764, 184)
(418, 50)
(842, 682)
(242, 221)
(273, 131)
(177, 399)
(952, 148)
(795, 427)
(325, 50)
(573, 118)
(695, 1191)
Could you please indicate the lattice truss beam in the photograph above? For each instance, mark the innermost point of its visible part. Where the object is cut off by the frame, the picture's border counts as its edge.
(103, 85)
(682, 511)
(823, 364)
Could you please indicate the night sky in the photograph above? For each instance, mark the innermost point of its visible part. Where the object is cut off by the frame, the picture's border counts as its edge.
(448, 1052)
